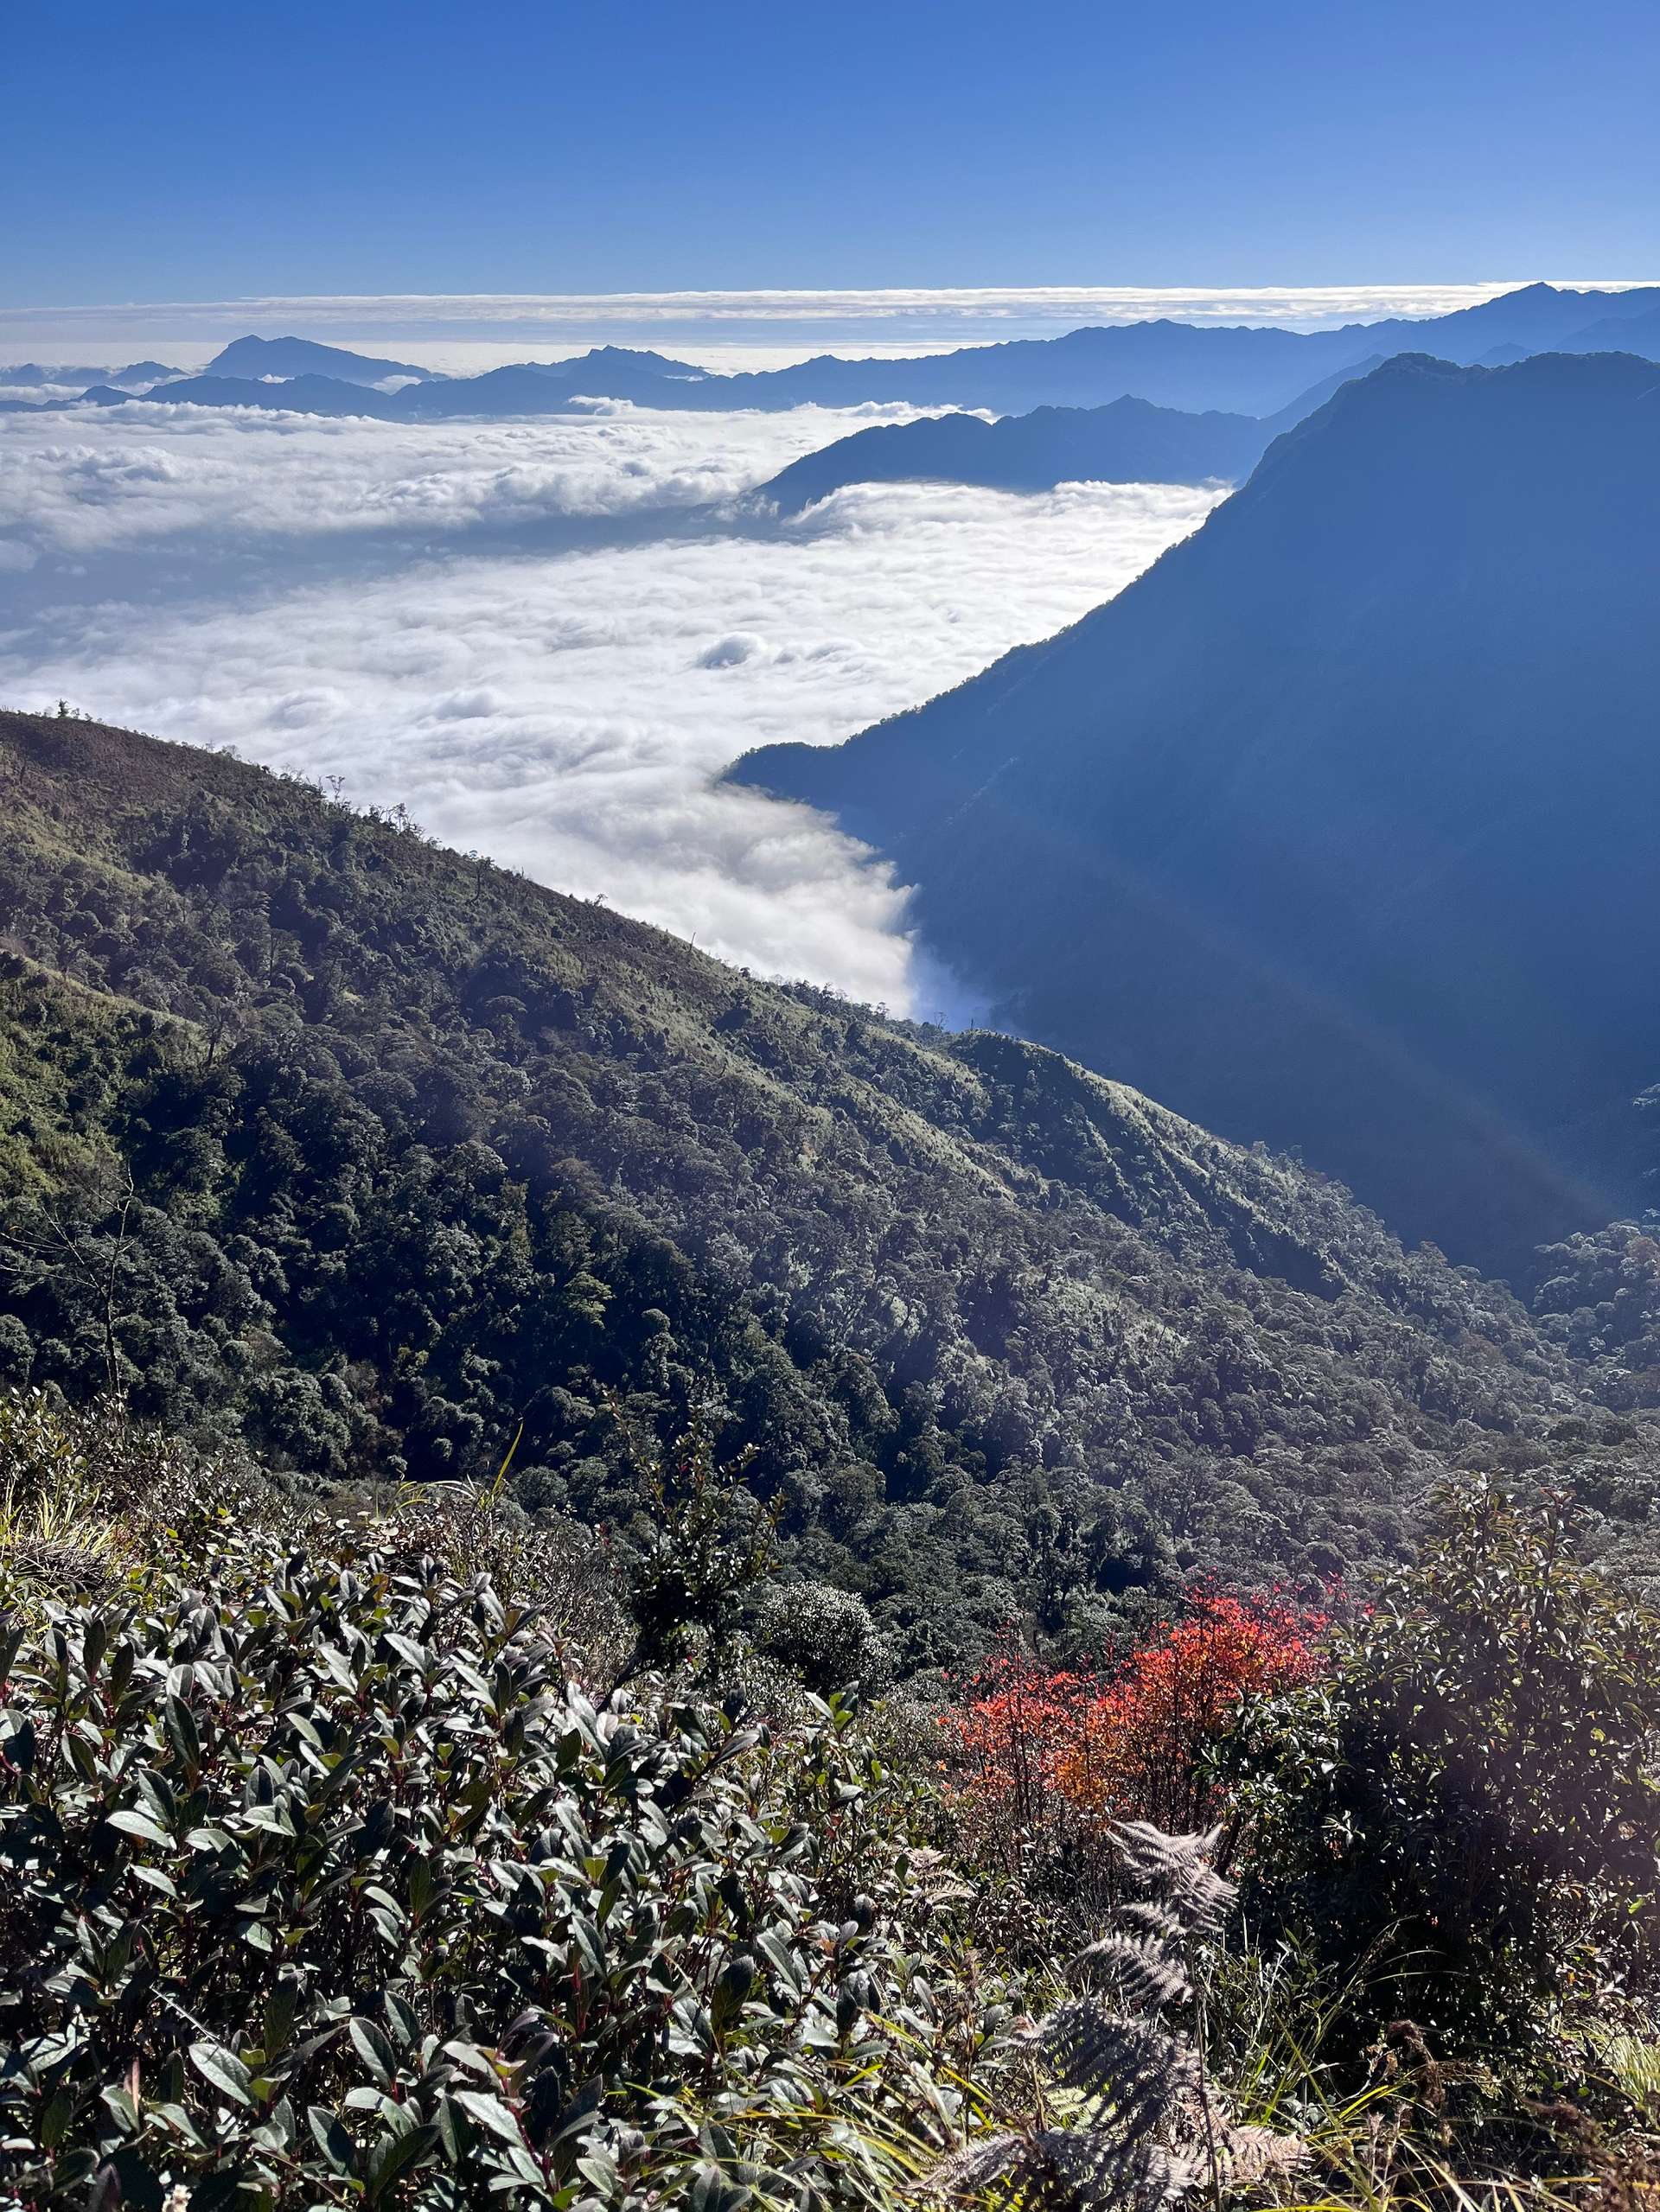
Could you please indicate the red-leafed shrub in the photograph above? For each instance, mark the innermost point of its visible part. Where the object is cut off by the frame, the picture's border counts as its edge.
(1137, 1750)
(1056, 1758)
(1010, 1730)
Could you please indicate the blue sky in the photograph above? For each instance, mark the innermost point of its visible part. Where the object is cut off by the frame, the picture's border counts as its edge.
(186, 153)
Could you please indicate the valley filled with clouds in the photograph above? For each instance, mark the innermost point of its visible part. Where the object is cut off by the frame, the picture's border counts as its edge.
(547, 638)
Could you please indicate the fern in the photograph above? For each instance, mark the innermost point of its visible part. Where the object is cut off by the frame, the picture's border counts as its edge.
(1147, 2125)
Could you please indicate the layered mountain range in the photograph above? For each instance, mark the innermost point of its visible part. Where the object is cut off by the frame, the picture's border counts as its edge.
(1338, 827)
(1198, 368)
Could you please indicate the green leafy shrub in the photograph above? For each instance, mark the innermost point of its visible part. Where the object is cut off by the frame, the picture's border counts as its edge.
(1461, 1817)
(321, 1885)
(709, 1543)
(824, 1634)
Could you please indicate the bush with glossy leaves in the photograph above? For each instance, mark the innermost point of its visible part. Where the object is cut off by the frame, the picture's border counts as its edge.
(320, 1883)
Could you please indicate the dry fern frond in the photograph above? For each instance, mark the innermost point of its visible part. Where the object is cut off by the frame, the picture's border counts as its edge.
(69, 1570)
(1147, 1912)
(1250, 2154)
(975, 2166)
(1155, 2129)
(933, 1878)
(1192, 1893)
(1079, 2166)
(1106, 2055)
(1153, 1973)
(1061, 2169)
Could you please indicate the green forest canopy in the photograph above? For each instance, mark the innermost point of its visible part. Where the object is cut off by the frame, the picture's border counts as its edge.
(383, 1158)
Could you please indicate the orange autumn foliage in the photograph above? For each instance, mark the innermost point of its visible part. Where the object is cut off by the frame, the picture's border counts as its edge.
(1033, 1744)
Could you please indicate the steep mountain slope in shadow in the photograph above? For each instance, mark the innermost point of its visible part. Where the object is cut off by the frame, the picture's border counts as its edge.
(1338, 827)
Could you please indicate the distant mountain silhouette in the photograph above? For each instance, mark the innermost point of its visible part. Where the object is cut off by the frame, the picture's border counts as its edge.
(1340, 827)
(1618, 333)
(1537, 318)
(629, 359)
(1239, 368)
(1235, 368)
(136, 373)
(288, 357)
(523, 389)
(554, 387)
(305, 395)
(1129, 441)
(1195, 367)
(142, 373)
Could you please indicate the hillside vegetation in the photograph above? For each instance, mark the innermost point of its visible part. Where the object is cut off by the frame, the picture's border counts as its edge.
(349, 1858)
(390, 1164)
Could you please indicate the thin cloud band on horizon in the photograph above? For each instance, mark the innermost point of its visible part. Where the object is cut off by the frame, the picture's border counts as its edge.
(999, 310)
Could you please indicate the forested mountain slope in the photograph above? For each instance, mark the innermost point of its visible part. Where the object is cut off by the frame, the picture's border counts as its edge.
(1338, 828)
(312, 1131)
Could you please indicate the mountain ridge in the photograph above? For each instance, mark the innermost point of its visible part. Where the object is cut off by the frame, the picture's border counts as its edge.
(1241, 368)
(287, 357)
(1271, 695)
(1129, 441)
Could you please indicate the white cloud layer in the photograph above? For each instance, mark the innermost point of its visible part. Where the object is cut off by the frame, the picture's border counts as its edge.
(567, 709)
(98, 479)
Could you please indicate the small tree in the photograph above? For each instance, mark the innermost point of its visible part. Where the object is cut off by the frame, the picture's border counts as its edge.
(712, 1541)
(1468, 1800)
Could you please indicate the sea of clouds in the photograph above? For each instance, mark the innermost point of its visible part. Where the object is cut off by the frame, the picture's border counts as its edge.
(547, 638)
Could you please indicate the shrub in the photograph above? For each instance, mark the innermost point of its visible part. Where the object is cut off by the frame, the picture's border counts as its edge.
(824, 1634)
(1467, 1804)
(319, 1884)
(1049, 1761)
(709, 1544)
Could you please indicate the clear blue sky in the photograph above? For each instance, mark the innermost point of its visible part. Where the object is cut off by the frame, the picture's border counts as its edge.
(190, 152)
